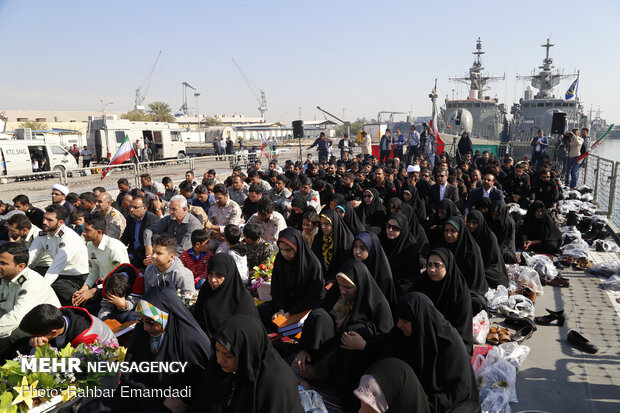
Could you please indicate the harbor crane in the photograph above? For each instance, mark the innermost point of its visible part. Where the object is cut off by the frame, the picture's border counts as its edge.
(344, 122)
(144, 87)
(185, 109)
(262, 101)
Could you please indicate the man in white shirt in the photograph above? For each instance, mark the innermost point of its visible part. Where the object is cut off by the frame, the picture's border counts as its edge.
(269, 221)
(104, 254)
(23, 231)
(70, 265)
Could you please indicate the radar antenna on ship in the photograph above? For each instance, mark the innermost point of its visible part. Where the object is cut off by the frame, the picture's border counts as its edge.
(546, 79)
(476, 80)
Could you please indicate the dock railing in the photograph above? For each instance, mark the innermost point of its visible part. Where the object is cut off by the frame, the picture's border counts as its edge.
(601, 174)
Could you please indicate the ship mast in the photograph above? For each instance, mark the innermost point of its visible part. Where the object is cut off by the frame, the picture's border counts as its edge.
(546, 80)
(476, 80)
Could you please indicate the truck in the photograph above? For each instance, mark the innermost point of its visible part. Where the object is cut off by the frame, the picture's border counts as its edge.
(106, 133)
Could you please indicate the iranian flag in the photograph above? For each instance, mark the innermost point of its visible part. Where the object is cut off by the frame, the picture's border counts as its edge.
(124, 153)
(433, 125)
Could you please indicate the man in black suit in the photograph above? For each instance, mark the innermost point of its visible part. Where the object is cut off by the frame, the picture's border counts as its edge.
(133, 236)
(35, 215)
(487, 191)
(442, 190)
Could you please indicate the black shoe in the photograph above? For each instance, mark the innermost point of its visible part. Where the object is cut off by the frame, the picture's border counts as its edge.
(581, 342)
(523, 334)
(519, 323)
(546, 320)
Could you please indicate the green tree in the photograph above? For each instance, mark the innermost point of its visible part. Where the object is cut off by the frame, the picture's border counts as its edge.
(209, 121)
(137, 115)
(353, 129)
(160, 112)
(34, 125)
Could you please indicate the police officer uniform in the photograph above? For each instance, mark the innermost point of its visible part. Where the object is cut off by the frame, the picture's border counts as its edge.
(104, 258)
(115, 223)
(69, 267)
(44, 260)
(17, 297)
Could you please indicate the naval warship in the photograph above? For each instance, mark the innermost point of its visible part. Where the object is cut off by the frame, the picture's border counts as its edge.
(486, 118)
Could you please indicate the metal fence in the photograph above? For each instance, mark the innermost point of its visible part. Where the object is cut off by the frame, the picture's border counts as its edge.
(601, 175)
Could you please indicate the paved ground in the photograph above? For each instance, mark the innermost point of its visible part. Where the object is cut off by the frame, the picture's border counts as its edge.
(39, 191)
(556, 376)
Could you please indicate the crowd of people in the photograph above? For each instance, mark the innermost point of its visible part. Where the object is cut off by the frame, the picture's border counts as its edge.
(393, 259)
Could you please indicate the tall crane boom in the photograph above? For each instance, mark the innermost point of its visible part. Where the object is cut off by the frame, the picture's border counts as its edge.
(185, 108)
(144, 87)
(262, 100)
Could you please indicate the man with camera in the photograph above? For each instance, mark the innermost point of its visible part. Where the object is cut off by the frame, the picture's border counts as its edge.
(573, 144)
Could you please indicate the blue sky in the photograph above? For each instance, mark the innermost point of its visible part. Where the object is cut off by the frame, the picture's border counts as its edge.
(363, 56)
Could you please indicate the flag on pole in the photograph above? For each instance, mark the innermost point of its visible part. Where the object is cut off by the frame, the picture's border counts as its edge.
(572, 90)
(597, 143)
(265, 149)
(433, 123)
(124, 152)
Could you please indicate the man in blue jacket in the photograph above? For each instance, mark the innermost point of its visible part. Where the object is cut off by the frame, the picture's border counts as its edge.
(539, 149)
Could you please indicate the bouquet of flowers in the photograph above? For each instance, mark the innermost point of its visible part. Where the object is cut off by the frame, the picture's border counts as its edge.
(188, 299)
(262, 272)
(21, 391)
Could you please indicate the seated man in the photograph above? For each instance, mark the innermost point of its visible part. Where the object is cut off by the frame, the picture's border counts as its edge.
(21, 289)
(69, 267)
(269, 221)
(133, 236)
(23, 231)
(66, 325)
(167, 270)
(180, 223)
(104, 254)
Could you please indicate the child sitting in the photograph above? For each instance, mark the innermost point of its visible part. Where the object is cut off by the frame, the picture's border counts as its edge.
(167, 270)
(77, 221)
(118, 300)
(233, 247)
(60, 326)
(258, 249)
(196, 259)
(310, 226)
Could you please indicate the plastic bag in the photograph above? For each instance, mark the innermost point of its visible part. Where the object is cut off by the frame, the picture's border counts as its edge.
(481, 326)
(605, 269)
(599, 219)
(311, 401)
(530, 278)
(612, 284)
(570, 233)
(513, 353)
(605, 246)
(499, 377)
(522, 304)
(542, 264)
(577, 249)
(496, 298)
(513, 271)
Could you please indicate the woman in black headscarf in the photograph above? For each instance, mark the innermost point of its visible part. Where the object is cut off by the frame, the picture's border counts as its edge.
(445, 210)
(402, 252)
(540, 234)
(371, 211)
(166, 332)
(417, 231)
(426, 341)
(298, 207)
(349, 217)
(249, 376)
(445, 285)
(459, 240)
(464, 147)
(332, 243)
(504, 228)
(393, 204)
(411, 196)
(390, 386)
(296, 280)
(494, 266)
(223, 295)
(355, 304)
(367, 249)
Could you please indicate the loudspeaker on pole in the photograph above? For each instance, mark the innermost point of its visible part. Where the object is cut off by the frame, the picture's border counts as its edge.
(298, 129)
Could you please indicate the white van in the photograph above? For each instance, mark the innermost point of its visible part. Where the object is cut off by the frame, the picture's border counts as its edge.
(21, 157)
(105, 137)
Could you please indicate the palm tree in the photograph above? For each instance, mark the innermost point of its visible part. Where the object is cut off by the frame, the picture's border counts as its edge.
(34, 125)
(137, 115)
(160, 112)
